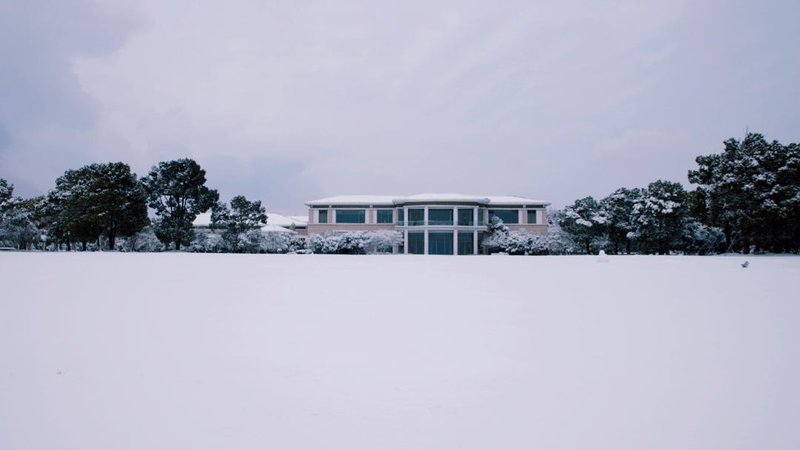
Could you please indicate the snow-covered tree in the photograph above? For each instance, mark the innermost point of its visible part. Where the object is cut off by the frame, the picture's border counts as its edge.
(283, 243)
(752, 192)
(355, 242)
(700, 239)
(6, 192)
(95, 199)
(659, 215)
(585, 222)
(177, 191)
(499, 239)
(238, 222)
(144, 241)
(617, 209)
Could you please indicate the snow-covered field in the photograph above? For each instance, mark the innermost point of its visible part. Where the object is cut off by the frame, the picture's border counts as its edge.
(190, 351)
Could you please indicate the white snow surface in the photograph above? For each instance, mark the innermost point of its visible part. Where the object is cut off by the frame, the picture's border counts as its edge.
(388, 200)
(303, 218)
(344, 200)
(275, 221)
(274, 218)
(204, 351)
(202, 219)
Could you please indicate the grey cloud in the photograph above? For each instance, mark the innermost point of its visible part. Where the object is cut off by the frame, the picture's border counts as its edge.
(45, 115)
(289, 101)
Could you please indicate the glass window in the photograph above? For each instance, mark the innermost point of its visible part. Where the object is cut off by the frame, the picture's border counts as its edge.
(416, 242)
(466, 244)
(440, 243)
(440, 216)
(506, 215)
(385, 216)
(323, 216)
(416, 216)
(400, 216)
(531, 216)
(465, 218)
(350, 216)
(481, 213)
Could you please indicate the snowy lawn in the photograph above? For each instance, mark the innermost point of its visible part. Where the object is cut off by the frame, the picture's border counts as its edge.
(189, 351)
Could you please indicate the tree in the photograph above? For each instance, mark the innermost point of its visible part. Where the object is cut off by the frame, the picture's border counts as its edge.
(659, 216)
(238, 221)
(752, 192)
(6, 192)
(176, 190)
(617, 208)
(584, 222)
(19, 221)
(97, 199)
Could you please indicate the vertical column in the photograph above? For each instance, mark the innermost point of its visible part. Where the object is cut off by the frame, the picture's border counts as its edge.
(475, 242)
(405, 242)
(455, 241)
(405, 215)
(425, 218)
(425, 250)
(455, 216)
(475, 217)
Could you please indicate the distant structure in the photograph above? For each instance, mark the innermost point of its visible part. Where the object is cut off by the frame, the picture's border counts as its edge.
(276, 223)
(432, 224)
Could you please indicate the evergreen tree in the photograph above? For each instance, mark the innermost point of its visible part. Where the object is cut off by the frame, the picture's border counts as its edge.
(242, 217)
(6, 192)
(97, 199)
(585, 222)
(752, 192)
(659, 216)
(176, 190)
(617, 208)
(18, 221)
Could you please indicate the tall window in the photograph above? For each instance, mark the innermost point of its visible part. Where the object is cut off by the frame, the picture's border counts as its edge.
(385, 216)
(350, 216)
(416, 216)
(481, 213)
(440, 216)
(531, 216)
(323, 216)
(506, 215)
(466, 243)
(416, 242)
(440, 243)
(465, 218)
(401, 216)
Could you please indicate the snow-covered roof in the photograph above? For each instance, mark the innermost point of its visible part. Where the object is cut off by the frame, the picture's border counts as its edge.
(274, 218)
(388, 200)
(202, 220)
(456, 198)
(271, 228)
(345, 200)
(500, 200)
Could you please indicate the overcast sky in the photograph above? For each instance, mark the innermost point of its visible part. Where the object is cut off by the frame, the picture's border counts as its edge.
(287, 101)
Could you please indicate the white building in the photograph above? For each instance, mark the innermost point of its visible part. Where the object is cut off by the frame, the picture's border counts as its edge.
(431, 223)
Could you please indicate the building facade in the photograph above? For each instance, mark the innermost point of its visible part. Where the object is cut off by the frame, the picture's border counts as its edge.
(440, 224)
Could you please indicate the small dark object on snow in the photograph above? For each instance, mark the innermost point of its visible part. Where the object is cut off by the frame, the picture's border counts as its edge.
(746, 264)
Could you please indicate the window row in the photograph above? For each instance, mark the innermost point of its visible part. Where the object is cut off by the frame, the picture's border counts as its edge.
(441, 243)
(436, 216)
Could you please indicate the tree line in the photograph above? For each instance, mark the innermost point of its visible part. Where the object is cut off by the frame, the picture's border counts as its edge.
(96, 204)
(746, 199)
